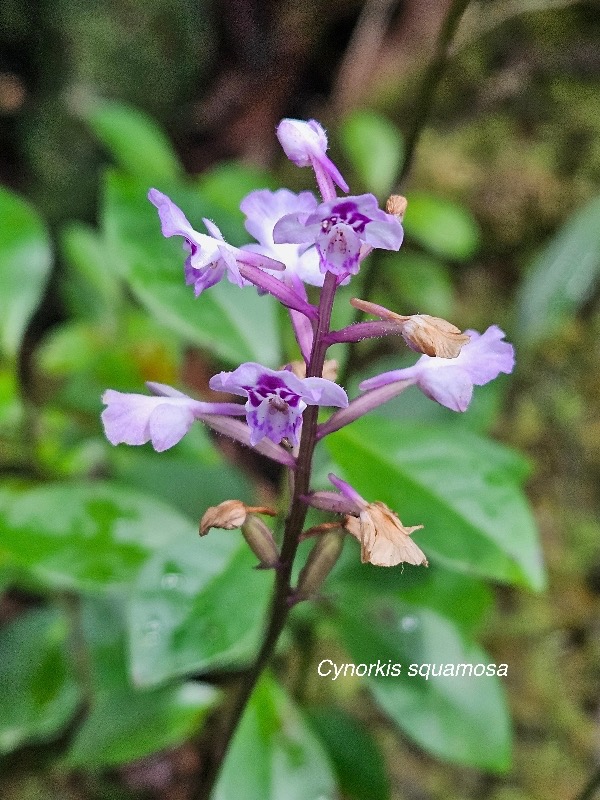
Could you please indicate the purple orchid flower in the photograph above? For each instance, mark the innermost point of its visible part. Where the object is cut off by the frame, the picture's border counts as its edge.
(450, 381)
(210, 256)
(276, 399)
(263, 208)
(305, 144)
(344, 230)
(163, 420)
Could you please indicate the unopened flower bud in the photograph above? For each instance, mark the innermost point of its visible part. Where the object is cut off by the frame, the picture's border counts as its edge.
(433, 336)
(229, 515)
(396, 205)
(320, 562)
(261, 542)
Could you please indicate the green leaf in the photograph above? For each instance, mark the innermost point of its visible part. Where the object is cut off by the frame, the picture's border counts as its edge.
(442, 226)
(125, 722)
(39, 693)
(357, 760)
(374, 147)
(464, 489)
(90, 536)
(460, 718)
(232, 323)
(562, 277)
(133, 139)
(462, 598)
(195, 608)
(274, 754)
(25, 261)
(186, 478)
(91, 287)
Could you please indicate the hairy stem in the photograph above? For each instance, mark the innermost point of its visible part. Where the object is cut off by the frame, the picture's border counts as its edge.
(282, 592)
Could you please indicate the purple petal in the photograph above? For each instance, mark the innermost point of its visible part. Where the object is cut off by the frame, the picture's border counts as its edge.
(386, 234)
(136, 419)
(168, 424)
(293, 229)
(324, 393)
(451, 387)
(348, 491)
(173, 220)
(486, 355)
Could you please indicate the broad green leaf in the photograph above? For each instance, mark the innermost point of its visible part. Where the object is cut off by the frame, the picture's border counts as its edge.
(91, 288)
(274, 755)
(176, 477)
(442, 226)
(458, 717)
(85, 358)
(133, 139)
(419, 282)
(39, 693)
(25, 261)
(232, 323)
(125, 725)
(89, 536)
(11, 406)
(125, 722)
(374, 147)
(197, 606)
(356, 759)
(562, 277)
(462, 598)
(464, 489)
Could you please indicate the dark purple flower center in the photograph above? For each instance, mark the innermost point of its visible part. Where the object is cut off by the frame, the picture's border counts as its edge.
(348, 214)
(274, 389)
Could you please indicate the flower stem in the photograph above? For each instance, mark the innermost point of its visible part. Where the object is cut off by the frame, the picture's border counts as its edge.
(294, 524)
